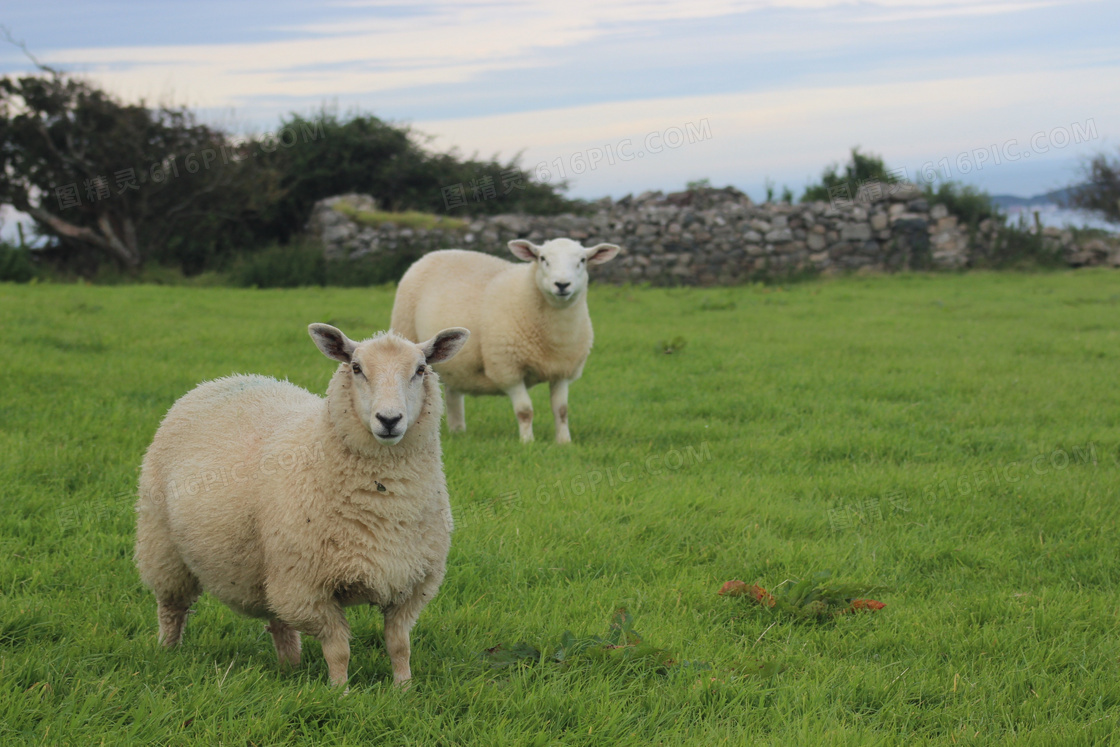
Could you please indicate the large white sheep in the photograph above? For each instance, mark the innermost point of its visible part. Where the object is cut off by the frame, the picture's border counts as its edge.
(289, 507)
(529, 322)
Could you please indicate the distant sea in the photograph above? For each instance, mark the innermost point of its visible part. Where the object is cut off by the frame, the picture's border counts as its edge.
(1059, 217)
(1050, 211)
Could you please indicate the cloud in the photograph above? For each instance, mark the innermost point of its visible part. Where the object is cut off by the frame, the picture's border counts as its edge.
(375, 48)
(790, 135)
(786, 85)
(899, 12)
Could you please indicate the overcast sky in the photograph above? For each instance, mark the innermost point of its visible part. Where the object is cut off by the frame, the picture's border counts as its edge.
(1010, 95)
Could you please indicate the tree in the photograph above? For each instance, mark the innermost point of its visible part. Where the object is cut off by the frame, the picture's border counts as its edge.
(861, 169)
(121, 180)
(129, 183)
(1101, 192)
(327, 156)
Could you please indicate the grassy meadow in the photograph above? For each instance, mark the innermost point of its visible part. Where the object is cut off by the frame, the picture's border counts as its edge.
(954, 438)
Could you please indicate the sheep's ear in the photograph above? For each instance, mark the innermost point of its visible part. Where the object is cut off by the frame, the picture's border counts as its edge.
(445, 344)
(332, 342)
(525, 250)
(601, 253)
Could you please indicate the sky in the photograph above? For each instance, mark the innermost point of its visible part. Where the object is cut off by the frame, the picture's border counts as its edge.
(1012, 96)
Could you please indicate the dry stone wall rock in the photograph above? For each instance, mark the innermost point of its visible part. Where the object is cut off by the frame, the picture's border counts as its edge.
(718, 236)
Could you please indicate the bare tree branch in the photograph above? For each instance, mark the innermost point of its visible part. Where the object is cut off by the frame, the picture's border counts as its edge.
(128, 255)
(64, 229)
(7, 33)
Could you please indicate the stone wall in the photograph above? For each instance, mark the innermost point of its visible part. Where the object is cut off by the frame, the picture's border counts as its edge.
(717, 236)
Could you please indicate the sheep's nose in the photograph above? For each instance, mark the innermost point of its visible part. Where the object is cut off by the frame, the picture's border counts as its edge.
(389, 423)
(562, 287)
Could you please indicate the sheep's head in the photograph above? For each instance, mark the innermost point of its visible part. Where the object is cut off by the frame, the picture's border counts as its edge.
(561, 266)
(388, 373)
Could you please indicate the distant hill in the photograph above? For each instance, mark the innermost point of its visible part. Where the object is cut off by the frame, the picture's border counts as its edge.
(1057, 197)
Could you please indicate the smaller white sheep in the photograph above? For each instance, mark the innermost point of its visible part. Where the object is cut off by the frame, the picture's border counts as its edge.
(289, 507)
(529, 322)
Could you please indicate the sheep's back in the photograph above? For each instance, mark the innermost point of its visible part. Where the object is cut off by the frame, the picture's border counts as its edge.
(453, 288)
(446, 289)
(218, 459)
(226, 423)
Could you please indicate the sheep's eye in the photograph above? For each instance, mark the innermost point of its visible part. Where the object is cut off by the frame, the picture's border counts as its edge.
(420, 371)
(583, 260)
(355, 368)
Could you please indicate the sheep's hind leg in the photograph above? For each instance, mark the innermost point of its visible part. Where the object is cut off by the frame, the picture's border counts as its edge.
(286, 640)
(559, 396)
(456, 411)
(523, 408)
(175, 596)
(165, 573)
(172, 619)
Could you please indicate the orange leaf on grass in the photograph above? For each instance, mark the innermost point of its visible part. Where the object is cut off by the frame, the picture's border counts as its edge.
(733, 589)
(760, 595)
(742, 589)
(866, 604)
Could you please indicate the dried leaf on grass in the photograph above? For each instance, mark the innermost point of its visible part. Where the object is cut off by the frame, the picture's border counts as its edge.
(808, 599)
(501, 656)
(622, 645)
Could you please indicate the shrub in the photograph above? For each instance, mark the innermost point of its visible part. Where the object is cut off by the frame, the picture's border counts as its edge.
(969, 204)
(1018, 247)
(860, 169)
(372, 269)
(15, 264)
(302, 264)
(291, 266)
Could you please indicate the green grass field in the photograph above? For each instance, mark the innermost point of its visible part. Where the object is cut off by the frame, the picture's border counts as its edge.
(952, 437)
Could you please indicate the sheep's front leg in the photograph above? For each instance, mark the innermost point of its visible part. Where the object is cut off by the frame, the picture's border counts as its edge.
(286, 640)
(523, 409)
(559, 396)
(333, 633)
(398, 627)
(456, 410)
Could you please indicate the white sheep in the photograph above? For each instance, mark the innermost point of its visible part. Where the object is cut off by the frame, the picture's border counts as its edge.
(289, 507)
(529, 322)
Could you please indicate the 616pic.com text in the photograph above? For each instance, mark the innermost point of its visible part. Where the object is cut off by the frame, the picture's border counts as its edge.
(623, 151)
